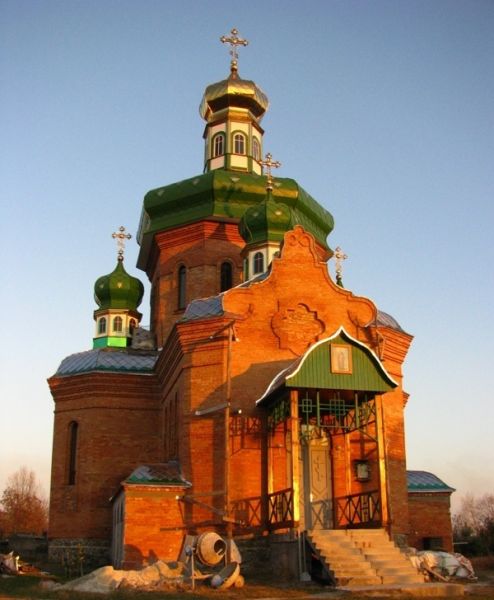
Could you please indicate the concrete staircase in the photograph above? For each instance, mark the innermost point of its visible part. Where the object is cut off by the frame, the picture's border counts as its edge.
(362, 557)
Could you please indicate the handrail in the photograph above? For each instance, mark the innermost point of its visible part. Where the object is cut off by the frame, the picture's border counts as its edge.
(356, 510)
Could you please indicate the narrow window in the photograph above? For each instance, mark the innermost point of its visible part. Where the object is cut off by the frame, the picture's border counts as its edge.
(258, 263)
(102, 325)
(219, 145)
(117, 324)
(239, 143)
(226, 277)
(256, 149)
(73, 427)
(132, 326)
(182, 281)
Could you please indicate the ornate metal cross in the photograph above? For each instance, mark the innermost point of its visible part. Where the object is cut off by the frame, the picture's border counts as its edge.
(339, 256)
(121, 236)
(268, 163)
(234, 41)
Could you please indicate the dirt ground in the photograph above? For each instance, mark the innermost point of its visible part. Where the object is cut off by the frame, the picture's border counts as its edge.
(32, 588)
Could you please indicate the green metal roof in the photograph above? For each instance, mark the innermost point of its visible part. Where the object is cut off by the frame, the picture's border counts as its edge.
(315, 369)
(423, 481)
(167, 474)
(224, 195)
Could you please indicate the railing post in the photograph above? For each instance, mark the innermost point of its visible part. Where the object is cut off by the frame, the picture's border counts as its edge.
(295, 454)
(381, 448)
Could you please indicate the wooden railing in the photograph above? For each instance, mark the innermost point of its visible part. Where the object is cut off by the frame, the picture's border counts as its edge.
(278, 510)
(280, 506)
(358, 510)
(247, 511)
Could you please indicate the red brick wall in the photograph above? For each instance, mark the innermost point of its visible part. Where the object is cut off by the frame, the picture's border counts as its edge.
(430, 517)
(269, 335)
(116, 416)
(154, 520)
(201, 247)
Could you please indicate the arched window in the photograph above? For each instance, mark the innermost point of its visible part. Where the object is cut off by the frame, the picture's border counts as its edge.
(132, 326)
(226, 277)
(258, 263)
(102, 325)
(219, 144)
(117, 324)
(182, 282)
(73, 427)
(256, 149)
(239, 143)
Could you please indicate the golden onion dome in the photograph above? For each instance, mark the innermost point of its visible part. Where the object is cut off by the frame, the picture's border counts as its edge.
(233, 92)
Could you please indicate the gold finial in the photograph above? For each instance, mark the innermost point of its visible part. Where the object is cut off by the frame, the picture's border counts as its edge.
(339, 256)
(234, 41)
(121, 236)
(269, 164)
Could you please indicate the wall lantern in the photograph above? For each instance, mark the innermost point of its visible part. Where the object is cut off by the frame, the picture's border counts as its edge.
(362, 470)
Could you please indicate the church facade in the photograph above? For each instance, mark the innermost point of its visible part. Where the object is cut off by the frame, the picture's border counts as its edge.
(267, 401)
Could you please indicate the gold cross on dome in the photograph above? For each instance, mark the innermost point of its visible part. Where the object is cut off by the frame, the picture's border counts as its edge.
(269, 164)
(121, 236)
(234, 41)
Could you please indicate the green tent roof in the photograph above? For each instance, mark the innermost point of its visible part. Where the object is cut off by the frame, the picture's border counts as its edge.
(224, 195)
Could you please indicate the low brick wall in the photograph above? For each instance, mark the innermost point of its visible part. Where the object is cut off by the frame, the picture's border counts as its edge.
(430, 521)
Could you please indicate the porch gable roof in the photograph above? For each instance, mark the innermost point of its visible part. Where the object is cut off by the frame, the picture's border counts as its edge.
(314, 369)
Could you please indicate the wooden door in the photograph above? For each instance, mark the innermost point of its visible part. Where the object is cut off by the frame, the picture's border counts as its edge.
(317, 497)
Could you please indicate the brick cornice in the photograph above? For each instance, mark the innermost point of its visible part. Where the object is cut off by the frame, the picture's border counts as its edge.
(219, 229)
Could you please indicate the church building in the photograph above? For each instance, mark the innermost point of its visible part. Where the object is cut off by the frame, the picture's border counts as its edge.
(266, 403)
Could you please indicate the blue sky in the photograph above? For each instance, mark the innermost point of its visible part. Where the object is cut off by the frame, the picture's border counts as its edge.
(382, 110)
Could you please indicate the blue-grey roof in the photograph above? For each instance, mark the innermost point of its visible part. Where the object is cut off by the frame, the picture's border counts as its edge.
(213, 306)
(158, 474)
(423, 481)
(105, 359)
(385, 320)
(204, 307)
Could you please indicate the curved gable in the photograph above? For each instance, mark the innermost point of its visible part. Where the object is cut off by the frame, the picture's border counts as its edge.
(342, 363)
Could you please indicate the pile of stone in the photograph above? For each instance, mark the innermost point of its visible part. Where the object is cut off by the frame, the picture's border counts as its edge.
(160, 575)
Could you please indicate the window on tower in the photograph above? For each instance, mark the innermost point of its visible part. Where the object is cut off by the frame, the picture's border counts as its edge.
(182, 282)
(226, 276)
(72, 462)
(258, 263)
(102, 325)
(256, 149)
(239, 143)
(117, 324)
(219, 144)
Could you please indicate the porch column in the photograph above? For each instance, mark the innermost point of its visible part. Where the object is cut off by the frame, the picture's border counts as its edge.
(383, 469)
(295, 454)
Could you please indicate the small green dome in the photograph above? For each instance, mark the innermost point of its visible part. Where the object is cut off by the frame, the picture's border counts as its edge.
(267, 221)
(118, 290)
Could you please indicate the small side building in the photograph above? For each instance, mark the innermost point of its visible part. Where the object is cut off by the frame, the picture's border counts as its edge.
(429, 510)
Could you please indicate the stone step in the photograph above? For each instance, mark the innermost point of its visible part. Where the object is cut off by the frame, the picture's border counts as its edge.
(338, 550)
(391, 564)
(358, 581)
(358, 558)
(346, 570)
(401, 579)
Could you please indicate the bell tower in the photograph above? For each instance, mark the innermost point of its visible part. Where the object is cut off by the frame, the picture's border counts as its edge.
(233, 109)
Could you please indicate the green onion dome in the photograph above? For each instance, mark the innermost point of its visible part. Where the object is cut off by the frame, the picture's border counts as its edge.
(267, 221)
(118, 290)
